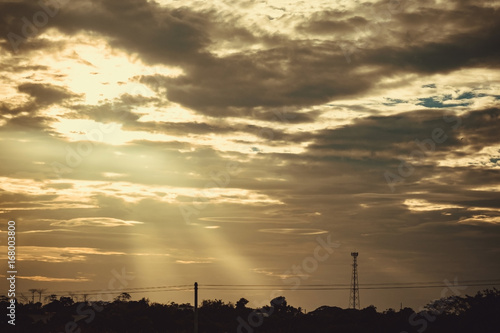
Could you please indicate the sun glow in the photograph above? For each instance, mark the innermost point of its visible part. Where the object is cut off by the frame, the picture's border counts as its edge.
(89, 66)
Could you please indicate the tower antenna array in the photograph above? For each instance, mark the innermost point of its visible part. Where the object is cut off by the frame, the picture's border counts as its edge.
(354, 296)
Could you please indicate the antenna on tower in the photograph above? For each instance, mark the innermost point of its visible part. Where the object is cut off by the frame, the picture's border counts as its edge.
(354, 296)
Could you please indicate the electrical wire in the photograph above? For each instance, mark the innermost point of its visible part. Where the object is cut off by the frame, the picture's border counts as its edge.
(281, 287)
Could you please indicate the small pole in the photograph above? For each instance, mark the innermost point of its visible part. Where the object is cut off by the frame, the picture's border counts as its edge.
(196, 307)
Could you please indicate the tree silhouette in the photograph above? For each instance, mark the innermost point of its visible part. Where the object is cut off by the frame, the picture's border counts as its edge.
(123, 297)
(241, 304)
(478, 313)
(66, 301)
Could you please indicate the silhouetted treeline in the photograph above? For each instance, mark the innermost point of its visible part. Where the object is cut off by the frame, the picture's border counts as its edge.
(479, 313)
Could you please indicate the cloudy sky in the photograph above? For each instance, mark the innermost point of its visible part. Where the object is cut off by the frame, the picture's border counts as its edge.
(217, 141)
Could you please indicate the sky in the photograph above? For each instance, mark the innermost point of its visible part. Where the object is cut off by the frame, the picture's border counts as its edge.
(223, 142)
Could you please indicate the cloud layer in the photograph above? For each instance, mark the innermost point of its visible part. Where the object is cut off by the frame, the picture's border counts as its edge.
(220, 140)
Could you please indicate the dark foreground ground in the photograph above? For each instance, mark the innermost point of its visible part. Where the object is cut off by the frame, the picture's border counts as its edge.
(469, 314)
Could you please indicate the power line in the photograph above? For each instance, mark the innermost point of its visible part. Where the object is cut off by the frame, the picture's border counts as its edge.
(137, 288)
(440, 283)
(129, 290)
(303, 287)
(348, 288)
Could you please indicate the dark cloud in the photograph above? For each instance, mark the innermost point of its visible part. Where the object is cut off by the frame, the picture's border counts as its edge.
(41, 96)
(479, 128)
(467, 38)
(7, 108)
(22, 23)
(460, 51)
(332, 23)
(46, 94)
(308, 73)
(291, 73)
(158, 34)
(397, 133)
(121, 112)
(24, 123)
(284, 76)
(11, 18)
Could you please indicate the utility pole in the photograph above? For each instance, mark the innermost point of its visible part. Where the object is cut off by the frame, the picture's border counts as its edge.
(40, 291)
(354, 296)
(32, 291)
(196, 307)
